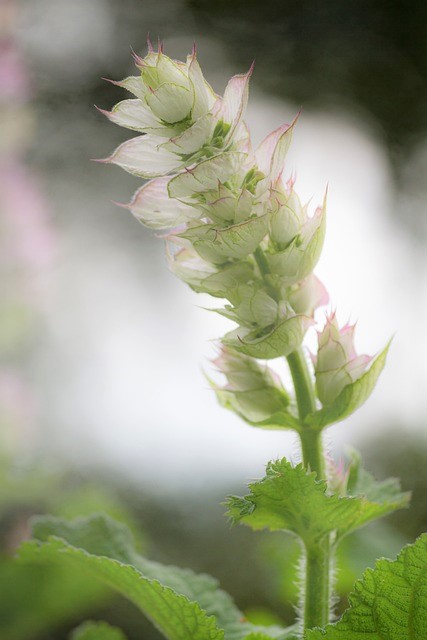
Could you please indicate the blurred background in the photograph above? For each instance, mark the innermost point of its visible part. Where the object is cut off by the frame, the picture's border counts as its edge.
(103, 402)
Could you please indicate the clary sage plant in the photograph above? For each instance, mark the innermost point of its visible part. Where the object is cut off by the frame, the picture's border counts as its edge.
(237, 230)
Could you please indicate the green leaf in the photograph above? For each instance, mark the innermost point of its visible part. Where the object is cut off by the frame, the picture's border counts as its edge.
(258, 635)
(291, 499)
(362, 483)
(177, 601)
(280, 341)
(97, 631)
(174, 615)
(351, 397)
(35, 599)
(388, 603)
(218, 245)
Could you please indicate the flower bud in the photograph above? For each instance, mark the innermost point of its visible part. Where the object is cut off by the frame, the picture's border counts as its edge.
(337, 363)
(171, 96)
(287, 217)
(230, 187)
(226, 206)
(307, 296)
(252, 307)
(222, 188)
(203, 276)
(252, 391)
(298, 259)
(338, 475)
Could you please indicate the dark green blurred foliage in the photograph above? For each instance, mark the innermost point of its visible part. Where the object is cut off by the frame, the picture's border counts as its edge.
(45, 603)
(372, 54)
(403, 454)
(38, 599)
(365, 59)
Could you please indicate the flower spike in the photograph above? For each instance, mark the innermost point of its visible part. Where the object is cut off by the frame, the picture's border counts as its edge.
(236, 228)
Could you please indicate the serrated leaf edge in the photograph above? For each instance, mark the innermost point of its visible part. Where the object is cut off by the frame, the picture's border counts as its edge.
(67, 548)
(318, 485)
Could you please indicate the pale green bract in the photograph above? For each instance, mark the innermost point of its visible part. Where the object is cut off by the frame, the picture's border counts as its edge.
(253, 392)
(388, 603)
(281, 340)
(219, 245)
(352, 396)
(336, 364)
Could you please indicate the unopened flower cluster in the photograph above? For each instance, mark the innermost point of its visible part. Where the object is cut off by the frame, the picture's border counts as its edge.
(236, 229)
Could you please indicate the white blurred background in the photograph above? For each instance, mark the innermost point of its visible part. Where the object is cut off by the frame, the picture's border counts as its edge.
(105, 365)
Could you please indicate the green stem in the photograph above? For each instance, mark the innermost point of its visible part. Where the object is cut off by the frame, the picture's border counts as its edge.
(264, 269)
(316, 595)
(261, 261)
(318, 556)
(312, 452)
(311, 440)
(304, 391)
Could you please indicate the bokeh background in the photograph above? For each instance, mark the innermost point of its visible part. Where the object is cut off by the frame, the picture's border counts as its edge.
(103, 402)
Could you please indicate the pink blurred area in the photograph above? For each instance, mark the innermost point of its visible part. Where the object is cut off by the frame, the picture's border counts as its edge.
(27, 238)
(17, 412)
(26, 235)
(14, 80)
(25, 231)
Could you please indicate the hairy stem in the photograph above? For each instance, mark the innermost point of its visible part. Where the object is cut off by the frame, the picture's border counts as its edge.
(316, 592)
(312, 452)
(304, 391)
(317, 589)
(311, 440)
(318, 558)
